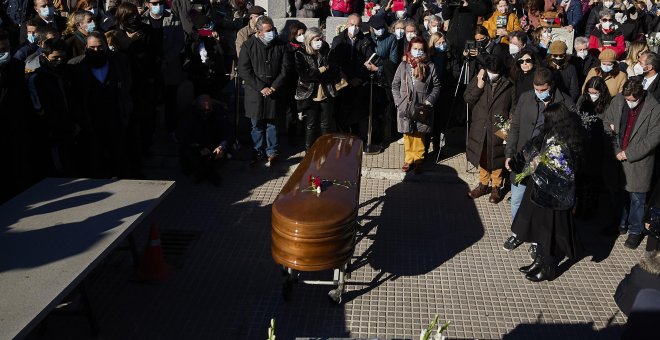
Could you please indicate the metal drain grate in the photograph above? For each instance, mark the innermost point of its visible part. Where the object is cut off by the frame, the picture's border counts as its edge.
(175, 244)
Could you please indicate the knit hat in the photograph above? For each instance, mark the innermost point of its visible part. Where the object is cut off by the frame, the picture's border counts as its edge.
(377, 22)
(607, 55)
(558, 47)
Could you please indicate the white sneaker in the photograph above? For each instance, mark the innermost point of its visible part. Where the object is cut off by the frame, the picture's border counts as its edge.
(400, 141)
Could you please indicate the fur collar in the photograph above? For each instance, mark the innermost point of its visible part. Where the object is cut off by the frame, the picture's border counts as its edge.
(650, 262)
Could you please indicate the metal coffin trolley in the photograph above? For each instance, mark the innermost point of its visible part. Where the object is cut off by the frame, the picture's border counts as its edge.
(315, 231)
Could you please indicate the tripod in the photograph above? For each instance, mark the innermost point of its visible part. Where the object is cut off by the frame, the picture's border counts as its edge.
(464, 79)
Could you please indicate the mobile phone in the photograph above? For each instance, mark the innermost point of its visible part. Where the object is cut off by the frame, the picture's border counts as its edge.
(370, 60)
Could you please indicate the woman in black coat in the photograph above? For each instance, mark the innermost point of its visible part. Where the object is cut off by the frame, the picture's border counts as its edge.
(491, 96)
(545, 217)
(315, 93)
(522, 71)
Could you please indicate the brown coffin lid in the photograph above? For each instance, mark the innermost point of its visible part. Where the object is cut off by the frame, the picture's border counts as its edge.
(305, 223)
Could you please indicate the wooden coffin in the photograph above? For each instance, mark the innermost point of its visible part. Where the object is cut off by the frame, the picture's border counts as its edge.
(315, 231)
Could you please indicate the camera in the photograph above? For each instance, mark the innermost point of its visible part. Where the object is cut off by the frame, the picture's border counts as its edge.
(470, 45)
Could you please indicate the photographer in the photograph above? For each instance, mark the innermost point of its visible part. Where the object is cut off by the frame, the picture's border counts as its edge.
(463, 21)
(482, 45)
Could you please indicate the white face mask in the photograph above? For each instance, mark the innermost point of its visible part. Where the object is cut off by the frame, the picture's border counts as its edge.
(352, 30)
(416, 53)
(400, 14)
(399, 33)
(606, 25)
(620, 18)
(606, 68)
(300, 38)
(492, 76)
(316, 44)
(379, 32)
(582, 54)
(608, 4)
(638, 69)
(434, 29)
(513, 49)
(594, 97)
(410, 36)
(632, 105)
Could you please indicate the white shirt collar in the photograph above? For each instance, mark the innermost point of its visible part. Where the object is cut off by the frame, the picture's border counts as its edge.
(649, 81)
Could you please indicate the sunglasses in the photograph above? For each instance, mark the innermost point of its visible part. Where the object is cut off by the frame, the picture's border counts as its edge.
(525, 61)
(606, 20)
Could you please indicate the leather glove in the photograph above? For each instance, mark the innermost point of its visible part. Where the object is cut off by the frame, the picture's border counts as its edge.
(517, 163)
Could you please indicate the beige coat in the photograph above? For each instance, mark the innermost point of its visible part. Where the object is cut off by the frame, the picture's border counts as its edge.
(614, 84)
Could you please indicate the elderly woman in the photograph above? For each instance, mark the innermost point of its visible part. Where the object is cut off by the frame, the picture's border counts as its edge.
(415, 88)
(607, 35)
(317, 76)
(502, 22)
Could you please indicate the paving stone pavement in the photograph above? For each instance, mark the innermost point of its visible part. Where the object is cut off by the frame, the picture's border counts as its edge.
(424, 249)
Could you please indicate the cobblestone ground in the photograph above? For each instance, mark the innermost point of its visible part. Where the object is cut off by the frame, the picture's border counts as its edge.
(424, 249)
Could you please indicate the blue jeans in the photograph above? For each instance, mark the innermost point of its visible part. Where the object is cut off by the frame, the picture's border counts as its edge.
(339, 14)
(633, 213)
(258, 127)
(517, 192)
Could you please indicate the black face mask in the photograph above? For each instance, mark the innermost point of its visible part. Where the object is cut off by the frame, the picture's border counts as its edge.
(96, 59)
(55, 65)
(132, 24)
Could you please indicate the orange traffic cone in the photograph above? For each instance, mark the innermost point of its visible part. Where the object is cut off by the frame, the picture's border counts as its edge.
(153, 268)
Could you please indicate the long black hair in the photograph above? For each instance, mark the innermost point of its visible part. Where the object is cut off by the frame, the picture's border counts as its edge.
(565, 126)
(598, 107)
(516, 71)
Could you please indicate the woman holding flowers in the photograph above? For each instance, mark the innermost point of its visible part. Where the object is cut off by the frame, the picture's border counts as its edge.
(415, 88)
(549, 164)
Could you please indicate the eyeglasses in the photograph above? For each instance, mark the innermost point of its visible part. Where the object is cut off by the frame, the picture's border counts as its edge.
(606, 20)
(525, 61)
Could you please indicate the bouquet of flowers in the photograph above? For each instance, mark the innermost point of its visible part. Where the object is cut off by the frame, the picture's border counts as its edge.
(503, 126)
(554, 180)
(370, 9)
(428, 334)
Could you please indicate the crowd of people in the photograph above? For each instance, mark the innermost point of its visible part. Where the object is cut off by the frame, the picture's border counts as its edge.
(81, 83)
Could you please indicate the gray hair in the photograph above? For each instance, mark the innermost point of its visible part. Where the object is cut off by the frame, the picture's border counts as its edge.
(581, 41)
(652, 59)
(263, 20)
(310, 34)
(605, 12)
(434, 18)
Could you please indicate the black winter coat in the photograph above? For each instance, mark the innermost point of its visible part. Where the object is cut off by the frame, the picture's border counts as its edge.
(309, 75)
(351, 57)
(566, 80)
(646, 274)
(260, 66)
(486, 103)
(463, 21)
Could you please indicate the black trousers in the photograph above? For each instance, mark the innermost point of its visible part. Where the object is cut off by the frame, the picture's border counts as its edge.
(319, 116)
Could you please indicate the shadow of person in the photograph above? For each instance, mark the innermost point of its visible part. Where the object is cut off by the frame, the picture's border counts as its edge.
(421, 226)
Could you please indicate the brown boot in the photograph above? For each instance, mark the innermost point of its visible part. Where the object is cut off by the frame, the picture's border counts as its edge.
(495, 196)
(479, 191)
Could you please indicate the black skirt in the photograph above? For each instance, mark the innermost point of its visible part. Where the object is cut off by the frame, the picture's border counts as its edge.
(553, 230)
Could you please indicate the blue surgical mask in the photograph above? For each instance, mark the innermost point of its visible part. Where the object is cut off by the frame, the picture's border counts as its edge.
(156, 9)
(4, 57)
(417, 53)
(32, 38)
(46, 12)
(606, 68)
(441, 47)
(543, 96)
(269, 36)
(91, 26)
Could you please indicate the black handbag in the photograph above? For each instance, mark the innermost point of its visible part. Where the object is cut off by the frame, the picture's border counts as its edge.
(423, 114)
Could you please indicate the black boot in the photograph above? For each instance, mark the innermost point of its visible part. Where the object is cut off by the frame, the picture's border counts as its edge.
(534, 266)
(547, 272)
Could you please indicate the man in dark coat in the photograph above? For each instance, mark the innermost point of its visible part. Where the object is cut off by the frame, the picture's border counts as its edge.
(14, 108)
(53, 123)
(582, 60)
(634, 119)
(490, 94)
(102, 82)
(352, 49)
(526, 123)
(45, 17)
(263, 64)
(205, 138)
